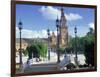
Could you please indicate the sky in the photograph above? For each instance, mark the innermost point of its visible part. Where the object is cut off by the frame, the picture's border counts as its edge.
(37, 19)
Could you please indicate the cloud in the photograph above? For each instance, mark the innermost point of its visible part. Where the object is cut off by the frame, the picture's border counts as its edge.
(33, 34)
(73, 16)
(51, 13)
(91, 25)
(25, 33)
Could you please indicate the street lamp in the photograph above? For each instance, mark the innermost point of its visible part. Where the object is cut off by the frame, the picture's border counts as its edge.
(20, 52)
(58, 53)
(48, 32)
(75, 30)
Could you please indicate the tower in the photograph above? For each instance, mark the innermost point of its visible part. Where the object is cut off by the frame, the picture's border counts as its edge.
(63, 33)
(63, 30)
(53, 40)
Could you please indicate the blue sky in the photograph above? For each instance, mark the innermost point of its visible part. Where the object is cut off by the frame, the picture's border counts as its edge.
(37, 19)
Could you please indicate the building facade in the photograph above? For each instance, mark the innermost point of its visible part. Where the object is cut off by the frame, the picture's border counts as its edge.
(63, 36)
(24, 44)
(63, 32)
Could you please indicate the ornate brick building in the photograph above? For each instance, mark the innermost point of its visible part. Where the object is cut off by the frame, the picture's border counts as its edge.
(63, 32)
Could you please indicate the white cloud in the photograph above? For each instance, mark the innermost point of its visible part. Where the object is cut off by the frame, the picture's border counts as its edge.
(73, 16)
(51, 13)
(33, 34)
(91, 25)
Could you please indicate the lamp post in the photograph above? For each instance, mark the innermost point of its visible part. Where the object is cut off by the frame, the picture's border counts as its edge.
(58, 53)
(48, 32)
(20, 52)
(75, 30)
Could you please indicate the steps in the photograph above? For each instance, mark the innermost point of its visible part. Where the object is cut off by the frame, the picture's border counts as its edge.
(41, 67)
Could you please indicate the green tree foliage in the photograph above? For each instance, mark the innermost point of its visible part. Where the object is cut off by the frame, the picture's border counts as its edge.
(89, 47)
(76, 42)
(89, 52)
(25, 52)
(62, 50)
(80, 42)
(37, 50)
(84, 45)
(42, 49)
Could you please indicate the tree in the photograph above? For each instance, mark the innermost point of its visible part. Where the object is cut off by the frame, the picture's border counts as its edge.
(76, 42)
(29, 52)
(36, 50)
(42, 49)
(85, 45)
(25, 52)
(89, 53)
(89, 47)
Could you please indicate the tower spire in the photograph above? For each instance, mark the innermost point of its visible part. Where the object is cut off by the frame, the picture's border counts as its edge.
(62, 12)
(63, 19)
